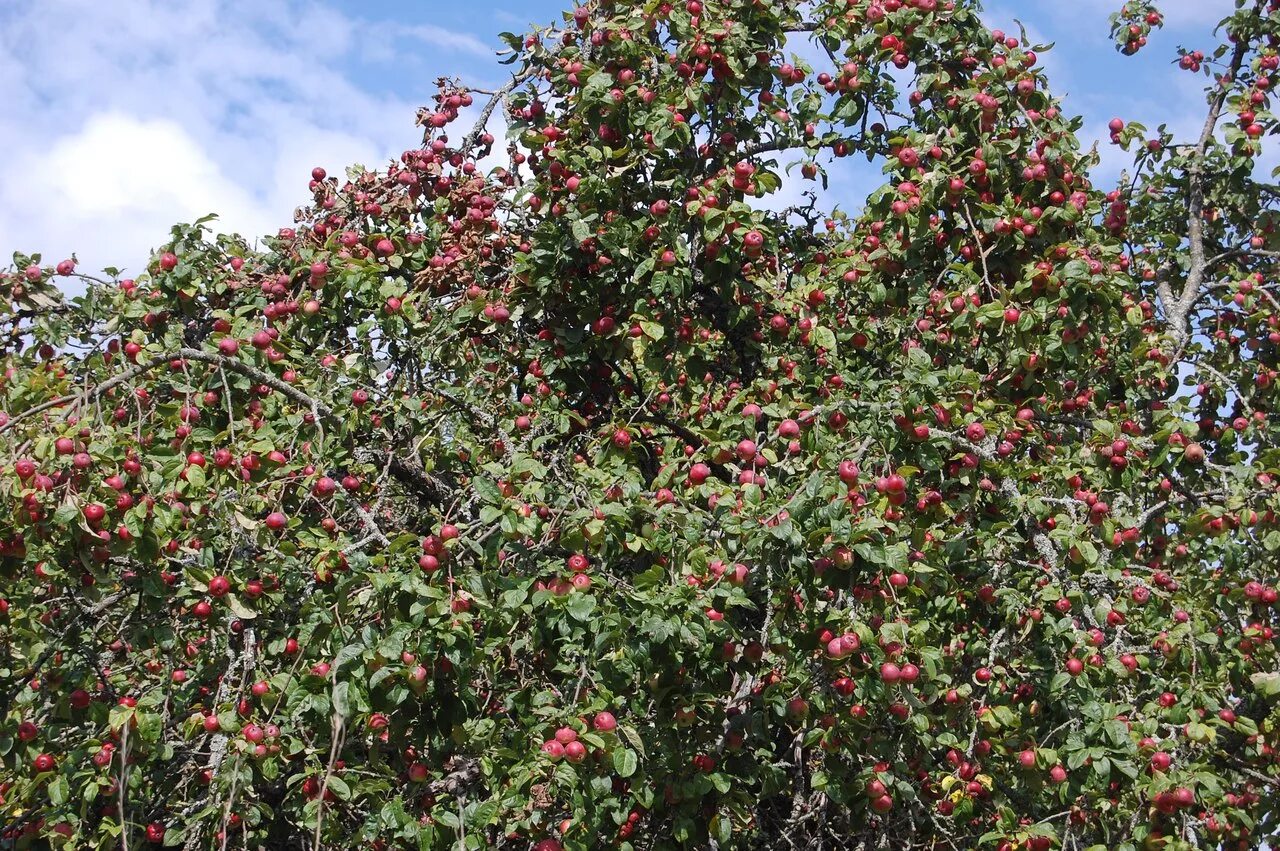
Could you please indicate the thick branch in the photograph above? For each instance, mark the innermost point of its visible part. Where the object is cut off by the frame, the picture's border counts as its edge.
(1177, 311)
(417, 479)
(466, 772)
(483, 121)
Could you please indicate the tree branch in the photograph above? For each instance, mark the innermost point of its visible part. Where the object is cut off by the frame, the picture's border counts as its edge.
(1177, 311)
(406, 471)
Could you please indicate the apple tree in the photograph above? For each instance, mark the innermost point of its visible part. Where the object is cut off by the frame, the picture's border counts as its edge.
(602, 483)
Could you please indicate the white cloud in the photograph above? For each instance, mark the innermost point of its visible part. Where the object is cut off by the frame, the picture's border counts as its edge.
(111, 189)
(447, 39)
(122, 118)
(510, 18)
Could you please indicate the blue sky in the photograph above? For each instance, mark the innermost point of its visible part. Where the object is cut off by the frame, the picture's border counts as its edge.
(122, 117)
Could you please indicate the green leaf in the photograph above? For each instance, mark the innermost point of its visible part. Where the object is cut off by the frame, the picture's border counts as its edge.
(1266, 684)
(487, 490)
(581, 606)
(659, 628)
(339, 788)
(239, 609)
(625, 762)
(486, 813)
(652, 330)
(342, 698)
(599, 81)
(632, 737)
(66, 514)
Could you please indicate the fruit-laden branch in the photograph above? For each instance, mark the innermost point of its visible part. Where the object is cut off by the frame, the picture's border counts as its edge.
(405, 471)
(134, 372)
(483, 121)
(1177, 310)
(1233, 253)
(417, 479)
(218, 745)
(54, 647)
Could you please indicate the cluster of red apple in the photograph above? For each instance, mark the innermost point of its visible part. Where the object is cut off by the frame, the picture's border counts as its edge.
(566, 745)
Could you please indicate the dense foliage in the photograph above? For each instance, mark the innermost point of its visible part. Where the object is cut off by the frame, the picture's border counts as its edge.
(593, 501)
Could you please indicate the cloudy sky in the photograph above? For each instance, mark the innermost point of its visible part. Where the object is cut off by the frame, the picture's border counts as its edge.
(119, 118)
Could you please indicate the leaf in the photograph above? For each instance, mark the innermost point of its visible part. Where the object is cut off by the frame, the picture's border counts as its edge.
(342, 698)
(347, 653)
(599, 81)
(581, 606)
(1246, 726)
(659, 628)
(1128, 769)
(66, 514)
(1118, 733)
(339, 788)
(239, 609)
(487, 490)
(486, 813)
(632, 737)
(1266, 684)
(652, 330)
(380, 676)
(650, 578)
(625, 762)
